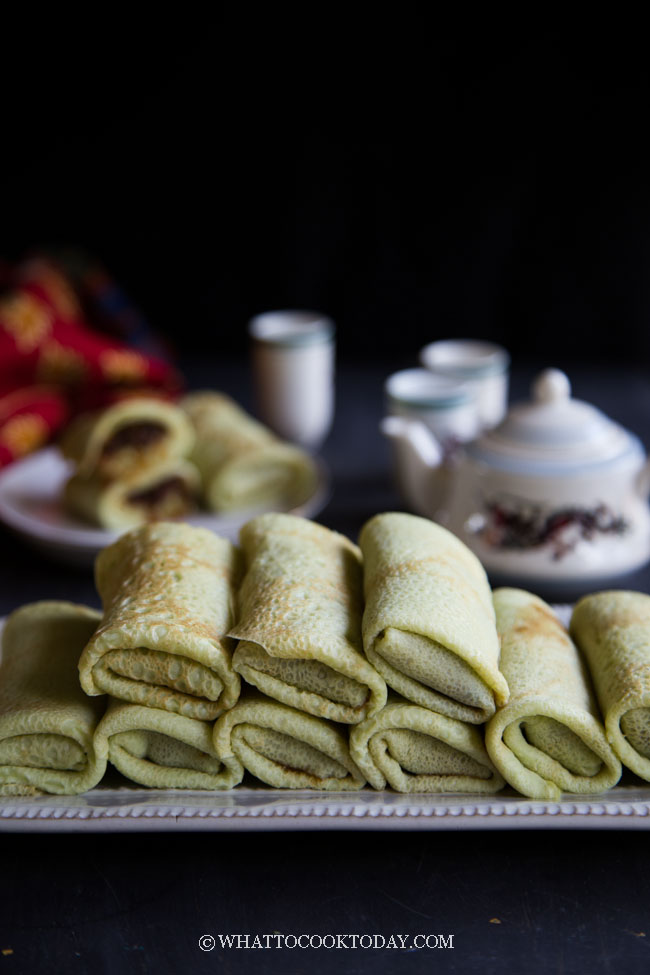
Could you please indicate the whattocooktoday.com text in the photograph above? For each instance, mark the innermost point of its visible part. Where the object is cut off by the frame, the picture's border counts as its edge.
(331, 942)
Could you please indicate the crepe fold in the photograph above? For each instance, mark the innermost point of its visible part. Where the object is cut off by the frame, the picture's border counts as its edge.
(414, 749)
(242, 464)
(613, 631)
(286, 748)
(299, 624)
(548, 739)
(128, 436)
(166, 490)
(428, 624)
(168, 592)
(162, 750)
(47, 723)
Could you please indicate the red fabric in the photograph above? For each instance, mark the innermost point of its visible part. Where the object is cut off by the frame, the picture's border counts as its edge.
(53, 365)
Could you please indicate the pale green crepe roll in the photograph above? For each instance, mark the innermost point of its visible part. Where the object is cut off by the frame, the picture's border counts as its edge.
(613, 631)
(168, 592)
(549, 738)
(242, 464)
(166, 490)
(299, 622)
(286, 748)
(428, 624)
(47, 723)
(414, 749)
(162, 750)
(128, 436)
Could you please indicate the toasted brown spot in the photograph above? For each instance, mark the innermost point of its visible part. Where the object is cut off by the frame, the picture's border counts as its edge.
(539, 622)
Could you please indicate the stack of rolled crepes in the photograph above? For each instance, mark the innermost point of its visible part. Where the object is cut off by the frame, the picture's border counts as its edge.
(429, 630)
(162, 654)
(131, 464)
(47, 723)
(241, 463)
(145, 459)
(299, 632)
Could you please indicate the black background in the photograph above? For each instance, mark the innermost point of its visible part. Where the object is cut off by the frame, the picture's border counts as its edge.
(535, 902)
(414, 182)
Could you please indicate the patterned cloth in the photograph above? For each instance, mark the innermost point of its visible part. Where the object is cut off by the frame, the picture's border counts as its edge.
(107, 305)
(54, 365)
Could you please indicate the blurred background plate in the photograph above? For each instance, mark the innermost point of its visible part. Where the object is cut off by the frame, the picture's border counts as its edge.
(30, 504)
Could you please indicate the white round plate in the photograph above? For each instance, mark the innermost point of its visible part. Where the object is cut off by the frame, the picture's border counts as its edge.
(30, 504)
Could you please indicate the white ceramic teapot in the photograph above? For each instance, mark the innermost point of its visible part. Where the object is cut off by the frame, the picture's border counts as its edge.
(556, 493)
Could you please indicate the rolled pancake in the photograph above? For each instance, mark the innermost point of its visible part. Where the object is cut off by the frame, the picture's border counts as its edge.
(168, 597)
(286, 748)
(613, 631)
(414, 749)
(162, 750)
(167, 490)
(549, 738)
(428, 624)
(47, 723)
(242, 464)
(299, 624)
(128, 436)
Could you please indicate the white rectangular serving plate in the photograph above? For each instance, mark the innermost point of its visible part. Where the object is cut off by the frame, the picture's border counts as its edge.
(130, 809)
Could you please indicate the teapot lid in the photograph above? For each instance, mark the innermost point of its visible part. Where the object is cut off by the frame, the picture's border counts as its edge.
(555, 434)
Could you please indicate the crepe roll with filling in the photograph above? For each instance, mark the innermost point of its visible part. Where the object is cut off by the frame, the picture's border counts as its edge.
(286, 748)
(299, 622)
(47, 724)
(167, 490)
(161, 750)
(549, 738)
(168, 592)
(127, 437)
(613, 631)
(428, 624)
(242, 464)
(414, 749)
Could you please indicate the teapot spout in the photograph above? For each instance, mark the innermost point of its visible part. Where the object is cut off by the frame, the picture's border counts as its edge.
(419, 458)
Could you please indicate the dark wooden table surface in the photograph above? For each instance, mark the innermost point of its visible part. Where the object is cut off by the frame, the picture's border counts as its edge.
(513, 900)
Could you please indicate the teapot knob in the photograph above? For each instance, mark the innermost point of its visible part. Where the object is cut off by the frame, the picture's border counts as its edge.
(551, 386)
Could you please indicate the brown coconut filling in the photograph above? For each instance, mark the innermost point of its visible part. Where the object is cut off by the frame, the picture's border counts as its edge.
(167, 498)
(138, 435)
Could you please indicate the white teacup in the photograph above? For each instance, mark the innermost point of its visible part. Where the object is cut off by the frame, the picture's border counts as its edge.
(293, 366)
(484, 366)
(446, 405)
